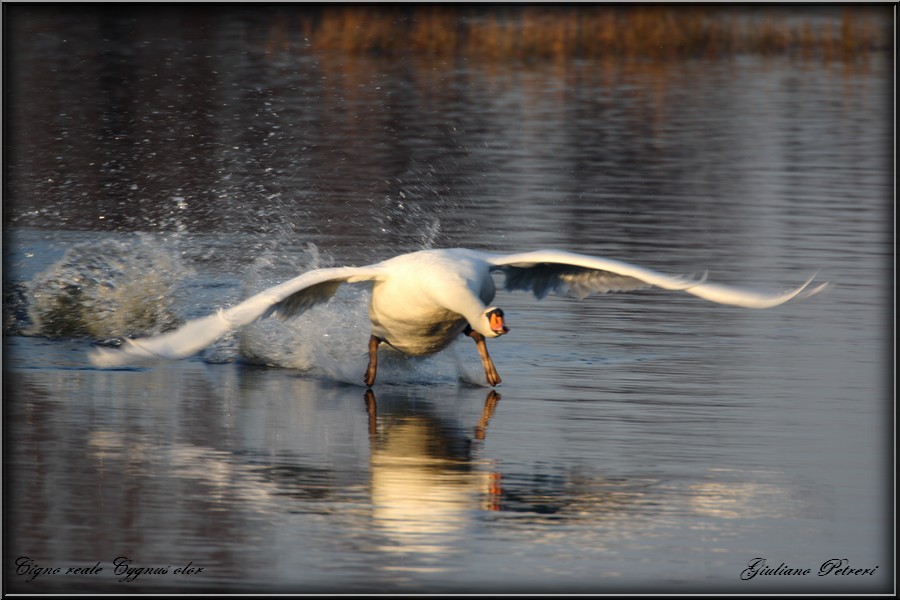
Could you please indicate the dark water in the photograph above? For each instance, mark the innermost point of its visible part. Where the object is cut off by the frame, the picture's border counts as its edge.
(639, 442)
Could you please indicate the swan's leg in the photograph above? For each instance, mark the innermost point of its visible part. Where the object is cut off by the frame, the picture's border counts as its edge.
(489, 369)
(374, 342)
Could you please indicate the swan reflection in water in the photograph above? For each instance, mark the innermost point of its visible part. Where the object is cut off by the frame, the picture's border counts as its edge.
(425, 481)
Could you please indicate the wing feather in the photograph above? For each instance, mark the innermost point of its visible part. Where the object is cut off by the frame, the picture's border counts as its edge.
(288, 299)
(567, 280)
(580, 275)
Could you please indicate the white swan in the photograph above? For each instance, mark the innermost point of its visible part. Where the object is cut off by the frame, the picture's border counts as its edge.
(422, 301)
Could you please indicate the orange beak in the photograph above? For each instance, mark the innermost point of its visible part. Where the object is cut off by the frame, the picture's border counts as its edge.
(497, 324)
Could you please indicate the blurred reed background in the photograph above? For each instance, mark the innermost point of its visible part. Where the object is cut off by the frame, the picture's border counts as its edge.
(537, 32)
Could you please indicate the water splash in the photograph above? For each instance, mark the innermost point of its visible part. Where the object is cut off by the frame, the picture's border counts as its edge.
(107, 289)
(429, 233)
(134, 288)
(410, 213)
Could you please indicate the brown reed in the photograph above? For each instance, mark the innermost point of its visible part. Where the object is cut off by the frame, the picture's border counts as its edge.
(536, 32)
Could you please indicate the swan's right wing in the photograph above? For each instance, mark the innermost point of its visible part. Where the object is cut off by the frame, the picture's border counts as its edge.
(285, 300)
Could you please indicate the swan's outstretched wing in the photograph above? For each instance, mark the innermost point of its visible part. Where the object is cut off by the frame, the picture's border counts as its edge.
(285, 300)
(579, 275)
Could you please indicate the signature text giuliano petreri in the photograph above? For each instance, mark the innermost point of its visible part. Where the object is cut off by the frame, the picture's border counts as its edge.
(833, 566)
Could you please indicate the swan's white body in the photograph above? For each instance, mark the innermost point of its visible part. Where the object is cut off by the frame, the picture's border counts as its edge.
(424, 300)
(427, 298)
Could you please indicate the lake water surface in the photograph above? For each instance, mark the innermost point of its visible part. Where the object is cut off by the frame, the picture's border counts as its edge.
(639, 442)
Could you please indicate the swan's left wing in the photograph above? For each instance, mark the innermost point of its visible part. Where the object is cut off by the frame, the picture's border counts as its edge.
(580, 275)
(285, 300)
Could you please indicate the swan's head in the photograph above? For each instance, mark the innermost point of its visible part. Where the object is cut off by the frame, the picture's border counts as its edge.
(495, 323)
